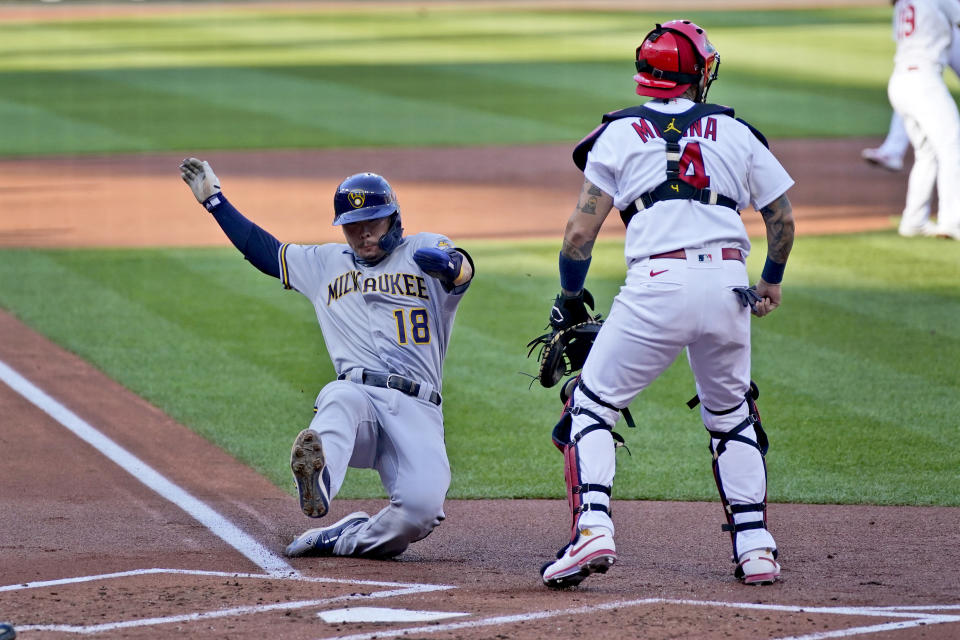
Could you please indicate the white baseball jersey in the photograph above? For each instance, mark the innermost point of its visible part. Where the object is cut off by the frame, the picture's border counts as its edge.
(388, 317)
(718, 152)
(923, 30)
(670, 304)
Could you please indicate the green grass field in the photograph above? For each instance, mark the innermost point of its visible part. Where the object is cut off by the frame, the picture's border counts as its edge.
(860, 390)
(215, 79)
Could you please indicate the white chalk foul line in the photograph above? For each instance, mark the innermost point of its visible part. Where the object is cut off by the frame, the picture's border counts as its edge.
(216, 523)
(874, 628)
(219, 574)
(222, 613)
(917, 618)
(401, 589)
(925, 607)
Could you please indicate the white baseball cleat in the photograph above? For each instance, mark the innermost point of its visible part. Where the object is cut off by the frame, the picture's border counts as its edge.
(592, 551)
(310, 474)
(321, 541)
(881, 158)
(928, 230)
(949, 234)
(758, 567)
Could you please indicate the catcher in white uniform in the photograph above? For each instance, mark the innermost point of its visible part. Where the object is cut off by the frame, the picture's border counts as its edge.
(923, 30)
(679, 170)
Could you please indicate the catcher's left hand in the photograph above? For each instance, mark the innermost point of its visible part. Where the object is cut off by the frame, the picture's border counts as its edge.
(564, 349)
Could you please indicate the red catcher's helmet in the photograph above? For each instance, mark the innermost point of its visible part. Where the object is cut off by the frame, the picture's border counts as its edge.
(674, 56)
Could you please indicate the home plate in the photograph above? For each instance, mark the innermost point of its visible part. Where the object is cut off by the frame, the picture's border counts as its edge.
(382, 614)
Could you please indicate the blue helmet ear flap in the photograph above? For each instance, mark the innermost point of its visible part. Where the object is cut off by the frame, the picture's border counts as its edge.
(394, 235)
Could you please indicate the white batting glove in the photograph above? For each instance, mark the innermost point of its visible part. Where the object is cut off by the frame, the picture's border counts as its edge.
(200, 178)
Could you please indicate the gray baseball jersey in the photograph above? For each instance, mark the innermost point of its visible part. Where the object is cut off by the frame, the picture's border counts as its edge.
(392, 318)
(387, 317)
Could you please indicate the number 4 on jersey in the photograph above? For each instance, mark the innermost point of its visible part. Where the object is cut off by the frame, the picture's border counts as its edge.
(693, 157)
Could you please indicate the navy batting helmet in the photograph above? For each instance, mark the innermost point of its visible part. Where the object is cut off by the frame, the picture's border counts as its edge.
(363, 196)
(368, 196)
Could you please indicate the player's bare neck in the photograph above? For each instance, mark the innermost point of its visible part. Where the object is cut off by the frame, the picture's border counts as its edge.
(371, 262)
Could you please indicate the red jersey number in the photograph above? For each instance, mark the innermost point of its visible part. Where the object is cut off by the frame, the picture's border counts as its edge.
(693, 157)
(906, 21)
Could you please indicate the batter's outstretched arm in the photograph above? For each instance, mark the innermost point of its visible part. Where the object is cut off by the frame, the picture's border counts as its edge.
(257, 245)
(580, 235)
(778, 218)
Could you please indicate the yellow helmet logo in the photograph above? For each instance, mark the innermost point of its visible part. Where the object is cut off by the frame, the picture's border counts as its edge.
(356, 198)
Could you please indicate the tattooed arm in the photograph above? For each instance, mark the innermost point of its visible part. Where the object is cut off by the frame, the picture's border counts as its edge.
(584, 224)
(778, 218)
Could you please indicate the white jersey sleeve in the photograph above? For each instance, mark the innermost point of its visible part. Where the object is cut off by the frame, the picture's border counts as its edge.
(767, 180)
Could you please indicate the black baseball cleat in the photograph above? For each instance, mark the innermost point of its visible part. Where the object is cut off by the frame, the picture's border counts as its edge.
(310, 474)
(321, 541)
(7, 632)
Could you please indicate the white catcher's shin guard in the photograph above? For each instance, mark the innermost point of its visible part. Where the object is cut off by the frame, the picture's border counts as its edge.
(587, 443)
(738, 444)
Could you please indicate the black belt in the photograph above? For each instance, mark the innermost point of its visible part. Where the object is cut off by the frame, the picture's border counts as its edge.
(394, 381)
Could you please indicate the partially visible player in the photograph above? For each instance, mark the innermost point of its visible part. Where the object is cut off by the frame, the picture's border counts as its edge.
(386, 304)
(679, 170)
(923, 30)
(889, 155)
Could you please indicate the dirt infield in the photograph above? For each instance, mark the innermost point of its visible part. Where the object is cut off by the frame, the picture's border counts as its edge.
(121, 523)
(467, 192)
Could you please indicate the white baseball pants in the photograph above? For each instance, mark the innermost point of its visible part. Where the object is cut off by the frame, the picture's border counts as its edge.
(665, 306)
(920, 97)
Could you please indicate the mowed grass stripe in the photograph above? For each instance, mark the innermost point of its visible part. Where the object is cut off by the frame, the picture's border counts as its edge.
(457, 76)
(329, 107)
(859, 396)
(405, 108)
(34, 127)
(407, 34)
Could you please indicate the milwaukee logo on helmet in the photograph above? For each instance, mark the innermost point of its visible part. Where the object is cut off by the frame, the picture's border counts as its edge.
(357, 198)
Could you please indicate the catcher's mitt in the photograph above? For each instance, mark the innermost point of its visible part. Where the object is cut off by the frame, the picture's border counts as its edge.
(564, 349)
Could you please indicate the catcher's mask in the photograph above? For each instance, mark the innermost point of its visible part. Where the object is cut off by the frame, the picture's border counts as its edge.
(368, 196)
(674, 56)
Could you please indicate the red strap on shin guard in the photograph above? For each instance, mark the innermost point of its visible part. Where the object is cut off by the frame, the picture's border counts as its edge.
(571, 473)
